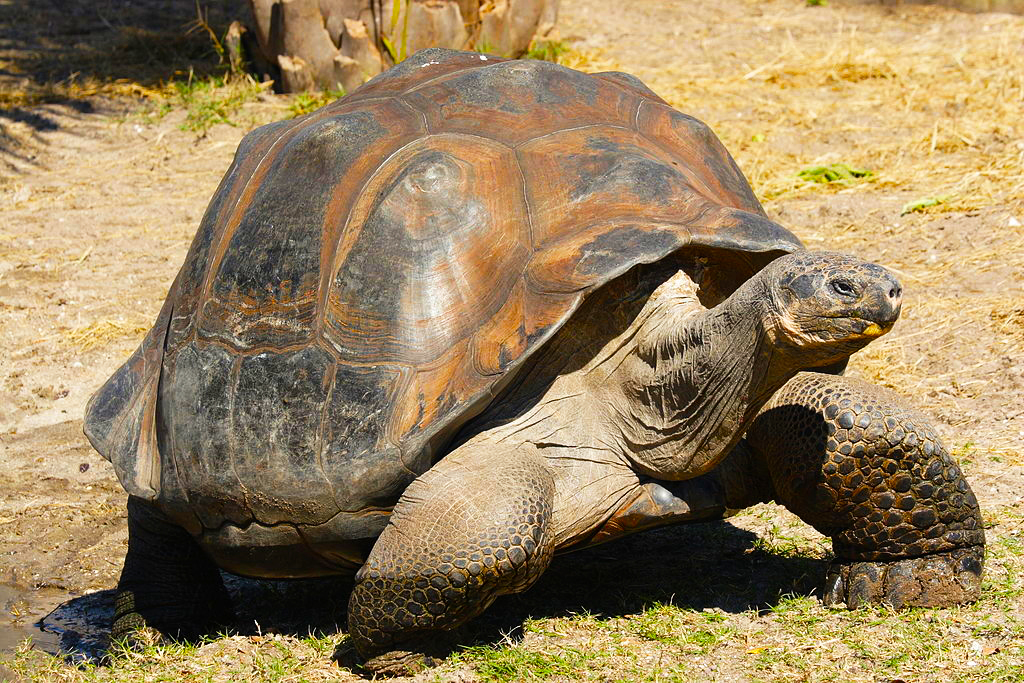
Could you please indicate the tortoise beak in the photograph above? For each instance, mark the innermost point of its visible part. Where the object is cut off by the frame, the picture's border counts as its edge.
(875, 330)
(883, 300)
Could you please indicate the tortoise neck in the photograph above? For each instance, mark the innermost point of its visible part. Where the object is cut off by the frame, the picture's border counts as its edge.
(696, 378)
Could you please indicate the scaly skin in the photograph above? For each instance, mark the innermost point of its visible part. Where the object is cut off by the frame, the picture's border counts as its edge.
(168, 582)
(852, 462)
(464, 533)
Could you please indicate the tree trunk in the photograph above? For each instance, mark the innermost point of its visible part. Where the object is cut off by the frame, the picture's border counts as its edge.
(331, 44)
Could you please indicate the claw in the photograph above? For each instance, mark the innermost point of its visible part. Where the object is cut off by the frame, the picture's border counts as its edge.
(410, 657)
(938, 580)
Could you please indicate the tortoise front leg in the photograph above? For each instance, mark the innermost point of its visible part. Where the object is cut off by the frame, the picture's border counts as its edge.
(852, 461)
(475, 526)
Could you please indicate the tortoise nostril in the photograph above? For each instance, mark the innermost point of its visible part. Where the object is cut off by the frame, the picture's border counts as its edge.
(895, 292)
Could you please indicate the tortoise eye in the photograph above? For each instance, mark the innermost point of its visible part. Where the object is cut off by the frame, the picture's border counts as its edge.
(843, 288)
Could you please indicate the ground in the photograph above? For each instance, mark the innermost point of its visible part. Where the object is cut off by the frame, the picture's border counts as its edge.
(105, 171)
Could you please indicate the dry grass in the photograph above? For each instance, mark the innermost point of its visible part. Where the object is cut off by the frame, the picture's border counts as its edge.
(104, 332)
(591, 61)
(225, 660)
(939, 115)
(31, 94)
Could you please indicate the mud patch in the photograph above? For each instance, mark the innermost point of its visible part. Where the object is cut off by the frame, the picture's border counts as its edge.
(16, 626)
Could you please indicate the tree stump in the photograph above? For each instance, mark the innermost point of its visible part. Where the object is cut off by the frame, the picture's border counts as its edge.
(332, 44)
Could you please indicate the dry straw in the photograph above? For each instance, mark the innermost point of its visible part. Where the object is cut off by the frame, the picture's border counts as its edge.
(940, 114)
(104, 332)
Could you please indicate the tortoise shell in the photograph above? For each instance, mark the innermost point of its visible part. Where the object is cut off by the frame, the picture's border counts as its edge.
(367, 277)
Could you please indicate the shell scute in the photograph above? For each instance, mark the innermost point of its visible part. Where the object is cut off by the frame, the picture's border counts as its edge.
(265, 289)
(579, 261)
(699, 151)
(502, 338)
(276, 418)
(364, 468)
(630, 82)
(187, 290)
(196, 397)
(514, 101)
(580, 177)
(436, 253)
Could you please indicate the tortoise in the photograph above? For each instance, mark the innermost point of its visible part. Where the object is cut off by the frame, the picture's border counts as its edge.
(481, 311)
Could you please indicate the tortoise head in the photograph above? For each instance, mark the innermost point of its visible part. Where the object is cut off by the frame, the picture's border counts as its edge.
(827, 305)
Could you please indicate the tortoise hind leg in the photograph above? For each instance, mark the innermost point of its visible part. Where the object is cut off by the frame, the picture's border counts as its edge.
(475, 526)
(168, 582)
(851, 461)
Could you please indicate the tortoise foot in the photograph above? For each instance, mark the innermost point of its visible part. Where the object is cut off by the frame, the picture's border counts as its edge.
(400, 663)
(128, 622)
(936, 580)
(136, 632)
(407, 658)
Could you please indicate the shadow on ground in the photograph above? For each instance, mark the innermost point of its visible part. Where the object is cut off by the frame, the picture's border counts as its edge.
(62, 52)
(142, 41)
(711, 565)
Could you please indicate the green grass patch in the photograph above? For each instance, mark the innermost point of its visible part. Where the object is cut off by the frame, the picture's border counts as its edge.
(213, 99)
(307, 102)
(834, 173)
(517, 663)
(696, 632)
(919, 205)
(546, 50)
(222, 658)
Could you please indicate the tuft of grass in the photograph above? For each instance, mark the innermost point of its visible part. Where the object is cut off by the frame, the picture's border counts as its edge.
(692, 631)
(546, 50)
(213, 99)
(272, 657)
(921, 204)
(518, 663)
(102, 332)
(307, 102)
(834, 173)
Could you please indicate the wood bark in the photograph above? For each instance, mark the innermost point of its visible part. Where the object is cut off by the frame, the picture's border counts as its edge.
(331, 44)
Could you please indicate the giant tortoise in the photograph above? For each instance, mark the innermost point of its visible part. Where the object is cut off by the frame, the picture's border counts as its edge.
(481, 311)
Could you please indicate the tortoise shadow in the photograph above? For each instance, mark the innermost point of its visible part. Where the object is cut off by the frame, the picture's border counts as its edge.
(698, 566)
(708, 565)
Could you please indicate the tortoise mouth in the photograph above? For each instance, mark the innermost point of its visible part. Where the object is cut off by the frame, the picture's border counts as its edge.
(873, 329)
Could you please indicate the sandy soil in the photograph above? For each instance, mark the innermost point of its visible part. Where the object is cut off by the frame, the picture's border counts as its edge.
(98, 205)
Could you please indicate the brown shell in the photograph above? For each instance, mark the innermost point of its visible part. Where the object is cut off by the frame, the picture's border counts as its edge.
(366, 278)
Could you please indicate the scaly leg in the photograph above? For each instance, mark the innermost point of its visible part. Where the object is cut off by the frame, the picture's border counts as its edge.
(473, 527)
(167, 582)
(852, 461)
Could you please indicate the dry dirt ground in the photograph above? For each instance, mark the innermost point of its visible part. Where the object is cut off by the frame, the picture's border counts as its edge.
(101, 191)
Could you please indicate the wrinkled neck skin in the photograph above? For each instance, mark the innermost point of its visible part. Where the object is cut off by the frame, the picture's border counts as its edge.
(681, 396)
